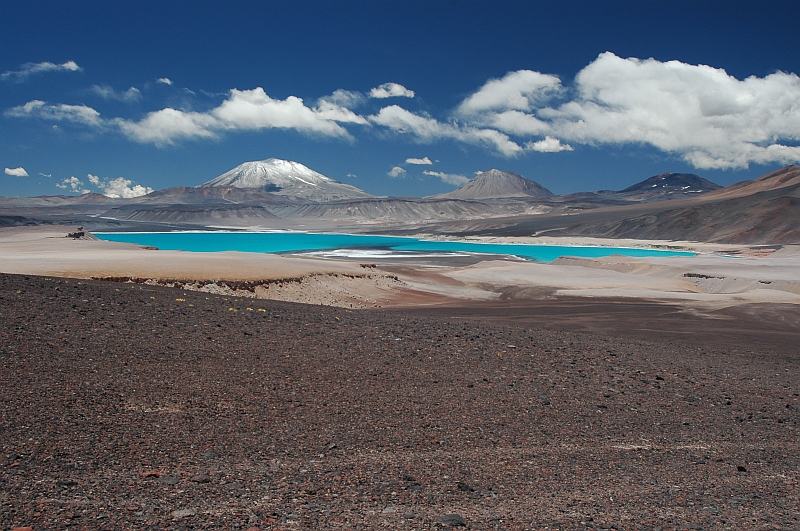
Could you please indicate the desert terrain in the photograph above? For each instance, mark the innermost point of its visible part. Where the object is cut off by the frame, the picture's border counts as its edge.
(153, 389)
(613, 393)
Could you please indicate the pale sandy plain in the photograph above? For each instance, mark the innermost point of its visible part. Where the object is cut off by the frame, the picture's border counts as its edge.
(719, 276)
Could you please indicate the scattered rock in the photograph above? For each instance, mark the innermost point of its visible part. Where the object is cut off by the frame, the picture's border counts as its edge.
(211, 454)
(545, 400)
(201, 478)
(182, 513)
(453, 520)
(740, 468)
(169, 480)
(463, 487)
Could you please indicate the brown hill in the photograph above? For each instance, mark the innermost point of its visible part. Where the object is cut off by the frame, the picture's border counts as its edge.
(763, 211)
(496, 184)
(771, 216)
(782, 178)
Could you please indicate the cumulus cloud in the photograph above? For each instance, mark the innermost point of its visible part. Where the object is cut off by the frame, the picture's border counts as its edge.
(701, 113)
(709, 117)
(516, 90)
(58, 112)
(427, 129)
(164, 80)
(48, 175)
(16, 172)
(165, 126)
(548, 145)
(449, 178)
(397, 171)
(108, 93)
(343, 98)
(329, 110)
(422, 161)
(242, 110)
(73, 184)
(119, 187)
(29, 69)
(391, 90)
(254, 109)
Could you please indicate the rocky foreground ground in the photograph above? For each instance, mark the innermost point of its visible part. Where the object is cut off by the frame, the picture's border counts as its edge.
(134, 407)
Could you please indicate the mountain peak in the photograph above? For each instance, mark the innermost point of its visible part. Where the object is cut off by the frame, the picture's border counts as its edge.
(287, 178)
(497, 184)
(269, 173)
(684, 183)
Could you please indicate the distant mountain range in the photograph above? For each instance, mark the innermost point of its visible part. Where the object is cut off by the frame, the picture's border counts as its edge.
(275, 193)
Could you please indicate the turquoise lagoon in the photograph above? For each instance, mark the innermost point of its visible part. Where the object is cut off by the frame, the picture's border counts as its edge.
(360, 246)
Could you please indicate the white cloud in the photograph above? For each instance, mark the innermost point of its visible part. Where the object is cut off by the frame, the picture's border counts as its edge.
(328, 110)
(165, 126)
(242, 110)
(397, 171)
(512, 122)
(422, 161)
(119, 187)
(516, 90)
(548, 145)
(697, 112)
(391, 90)
(59, 112)
(164, 80)
(427, 129)
(16, 172)
(344, 98)
(29, 69)
(709, 117)
(108, 93)
(254, 109)
(449, 178)
(48, 175)
(700, 113)
(73, 184)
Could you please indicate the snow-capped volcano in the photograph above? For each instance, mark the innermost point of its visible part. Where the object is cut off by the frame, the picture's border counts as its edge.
(287, 178)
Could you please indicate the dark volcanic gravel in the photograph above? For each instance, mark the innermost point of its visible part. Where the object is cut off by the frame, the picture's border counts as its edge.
(125, 406)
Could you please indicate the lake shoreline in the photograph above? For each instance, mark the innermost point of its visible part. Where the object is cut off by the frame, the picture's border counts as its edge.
(704, 282)
(380, 247)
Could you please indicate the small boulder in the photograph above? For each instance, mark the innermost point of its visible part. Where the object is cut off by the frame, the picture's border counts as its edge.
(453, 520)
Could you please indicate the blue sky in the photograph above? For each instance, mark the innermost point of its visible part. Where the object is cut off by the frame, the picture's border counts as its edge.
(397, 98)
